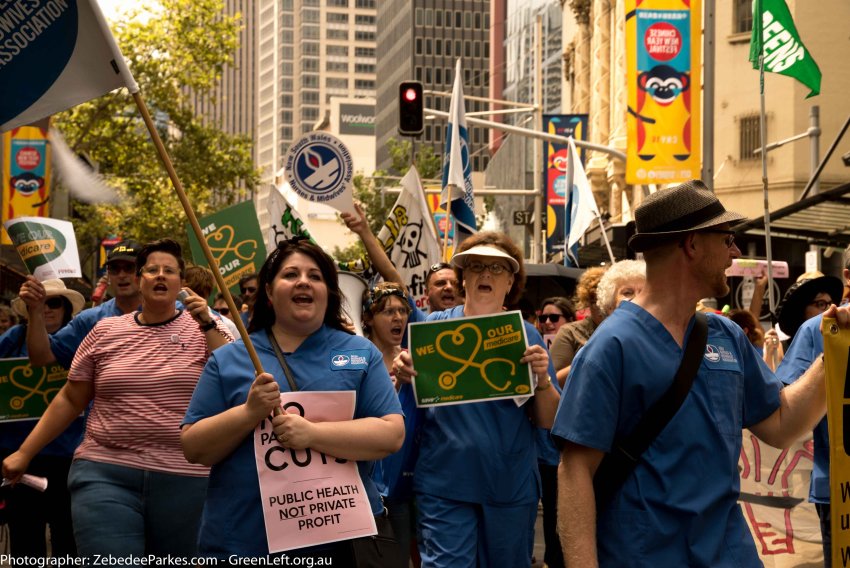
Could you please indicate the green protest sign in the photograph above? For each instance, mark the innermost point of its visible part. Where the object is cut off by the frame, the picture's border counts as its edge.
(47, 246)
(470, 359)
(235, 240)
(25, 391)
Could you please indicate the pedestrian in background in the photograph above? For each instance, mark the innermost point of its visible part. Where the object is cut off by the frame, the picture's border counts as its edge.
(29, 512)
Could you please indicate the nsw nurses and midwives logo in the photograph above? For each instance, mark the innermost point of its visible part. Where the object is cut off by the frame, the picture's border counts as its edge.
(319, 168)
(711, 354)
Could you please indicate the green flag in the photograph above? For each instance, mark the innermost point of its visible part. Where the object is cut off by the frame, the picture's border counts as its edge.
(774, 34)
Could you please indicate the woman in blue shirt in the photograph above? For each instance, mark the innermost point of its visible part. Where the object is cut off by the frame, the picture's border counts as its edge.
(476, 480)
(297, 306)
(28, 511)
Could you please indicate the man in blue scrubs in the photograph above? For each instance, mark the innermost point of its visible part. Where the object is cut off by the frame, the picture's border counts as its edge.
(806, 347)
(679, 505)
(62, 345)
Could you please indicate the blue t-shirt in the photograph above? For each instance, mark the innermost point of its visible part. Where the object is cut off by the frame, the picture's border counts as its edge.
(481, 452)
(13, 344)
(804, 349)
(65, 342)
(232, 522)
(679, 506)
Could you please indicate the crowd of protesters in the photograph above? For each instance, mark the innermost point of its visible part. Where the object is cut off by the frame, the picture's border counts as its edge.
(149, 449)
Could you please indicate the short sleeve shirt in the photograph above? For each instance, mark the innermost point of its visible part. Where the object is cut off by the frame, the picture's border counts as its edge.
(232, 522)
(679, 506)
(65, 342)
(482, 452)
(804, 349)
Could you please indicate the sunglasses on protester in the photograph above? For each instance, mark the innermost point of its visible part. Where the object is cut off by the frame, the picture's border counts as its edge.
(555, 318)
(54, 303)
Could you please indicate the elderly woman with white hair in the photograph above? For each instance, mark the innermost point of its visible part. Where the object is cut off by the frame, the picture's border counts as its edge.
(622, 282)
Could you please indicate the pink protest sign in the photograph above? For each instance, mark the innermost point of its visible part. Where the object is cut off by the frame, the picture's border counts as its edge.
(310, 498)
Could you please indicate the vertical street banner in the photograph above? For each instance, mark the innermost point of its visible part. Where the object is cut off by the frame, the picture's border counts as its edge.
(47, 246)
(26, 173)
(308, 497)
(836, 349)
(663, 58)
(556, 158)
(235, 240)
(26, 391)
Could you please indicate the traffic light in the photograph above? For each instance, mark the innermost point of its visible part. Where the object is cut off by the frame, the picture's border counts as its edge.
(410, 106)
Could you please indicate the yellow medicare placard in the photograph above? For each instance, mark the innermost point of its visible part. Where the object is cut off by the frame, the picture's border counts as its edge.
(836, 346)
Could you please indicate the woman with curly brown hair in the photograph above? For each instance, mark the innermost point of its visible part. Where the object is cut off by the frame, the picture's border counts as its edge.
(574, 335)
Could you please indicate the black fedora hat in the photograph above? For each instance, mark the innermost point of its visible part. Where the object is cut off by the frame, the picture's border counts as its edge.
(791, 310)
(670, 213)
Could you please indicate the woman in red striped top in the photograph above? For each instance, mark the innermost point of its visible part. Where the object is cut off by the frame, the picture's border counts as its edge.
(132, 491)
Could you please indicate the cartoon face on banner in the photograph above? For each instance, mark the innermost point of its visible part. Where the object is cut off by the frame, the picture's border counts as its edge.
(26, 173)
(662, 48)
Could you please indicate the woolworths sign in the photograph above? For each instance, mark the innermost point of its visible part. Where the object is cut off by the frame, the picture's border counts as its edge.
(357, 119)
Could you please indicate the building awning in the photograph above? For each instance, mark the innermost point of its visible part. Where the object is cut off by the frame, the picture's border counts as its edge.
(822, 219)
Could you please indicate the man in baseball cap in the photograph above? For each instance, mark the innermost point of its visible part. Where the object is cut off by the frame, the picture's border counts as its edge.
(678, 505)
(45, 349)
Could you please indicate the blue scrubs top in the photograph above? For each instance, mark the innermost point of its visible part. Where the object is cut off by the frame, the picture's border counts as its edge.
(679, 506)
(13, 343)
(805, 348)
(480, 453)
(65, 342)
(393, 475)
(232, 522)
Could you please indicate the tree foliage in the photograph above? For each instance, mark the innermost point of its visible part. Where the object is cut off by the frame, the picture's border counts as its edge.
(177, 53)
(369, 190)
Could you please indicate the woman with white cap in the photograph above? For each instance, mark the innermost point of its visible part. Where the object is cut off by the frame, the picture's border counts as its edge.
(27, 510)
(476, 479)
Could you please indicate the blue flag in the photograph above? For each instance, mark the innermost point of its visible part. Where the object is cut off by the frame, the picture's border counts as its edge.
(457, 167)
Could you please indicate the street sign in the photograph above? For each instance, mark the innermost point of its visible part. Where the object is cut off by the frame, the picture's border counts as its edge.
(523, 217)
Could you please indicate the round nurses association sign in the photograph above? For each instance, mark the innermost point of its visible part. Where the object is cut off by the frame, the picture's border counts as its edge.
(319, 168)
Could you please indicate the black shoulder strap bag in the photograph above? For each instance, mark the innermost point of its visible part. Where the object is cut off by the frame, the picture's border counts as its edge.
(618, 465)
(369, 551)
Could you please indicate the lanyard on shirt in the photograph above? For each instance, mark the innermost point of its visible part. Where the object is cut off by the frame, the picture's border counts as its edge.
(286, 371)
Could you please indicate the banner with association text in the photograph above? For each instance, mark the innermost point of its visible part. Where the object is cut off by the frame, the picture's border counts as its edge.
(663, 58)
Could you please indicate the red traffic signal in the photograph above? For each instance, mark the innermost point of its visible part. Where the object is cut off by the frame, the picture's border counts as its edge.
(410, 108)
